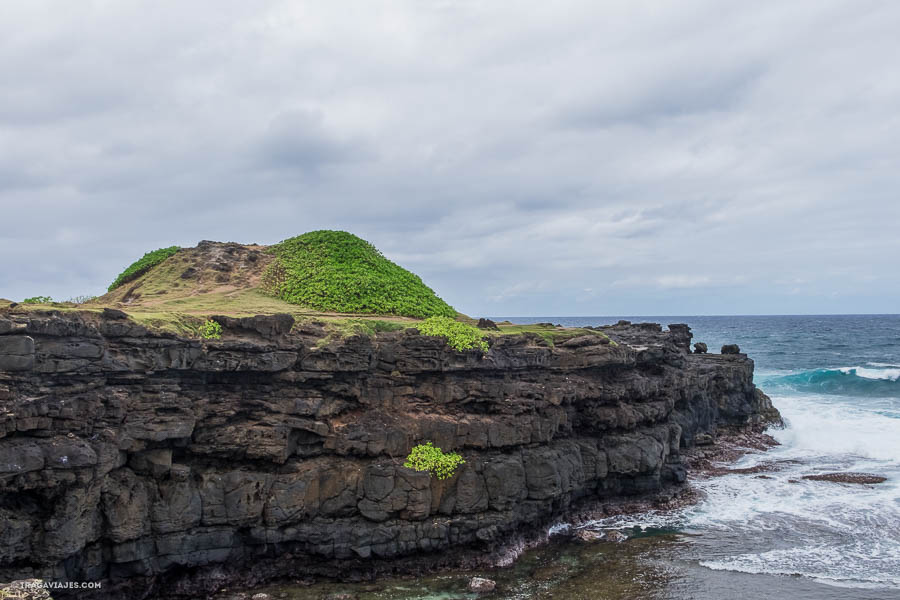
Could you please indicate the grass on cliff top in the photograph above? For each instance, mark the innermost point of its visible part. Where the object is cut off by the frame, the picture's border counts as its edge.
(142, 265)
(184, 317)
(336, 271)
(549, 333)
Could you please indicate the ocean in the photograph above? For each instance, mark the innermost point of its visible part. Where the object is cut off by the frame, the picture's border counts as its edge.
(836, 381)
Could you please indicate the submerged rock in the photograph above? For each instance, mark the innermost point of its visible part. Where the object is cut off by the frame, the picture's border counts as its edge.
(863, 478)
(588, 535)
(615, 536)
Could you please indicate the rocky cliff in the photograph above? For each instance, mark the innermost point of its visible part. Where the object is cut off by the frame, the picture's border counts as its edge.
(135, 457)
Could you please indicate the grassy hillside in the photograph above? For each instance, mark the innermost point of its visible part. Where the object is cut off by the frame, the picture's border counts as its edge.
(336, 271)
(142, 265)
(331, 277)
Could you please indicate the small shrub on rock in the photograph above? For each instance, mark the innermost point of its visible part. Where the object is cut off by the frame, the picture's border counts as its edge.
(38, 300)
(458, 335)
(211, 330)
(426, 457)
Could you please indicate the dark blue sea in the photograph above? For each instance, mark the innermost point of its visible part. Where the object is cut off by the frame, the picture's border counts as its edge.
(836, 381)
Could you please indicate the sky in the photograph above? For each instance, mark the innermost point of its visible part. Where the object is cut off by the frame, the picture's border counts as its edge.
(524, 158)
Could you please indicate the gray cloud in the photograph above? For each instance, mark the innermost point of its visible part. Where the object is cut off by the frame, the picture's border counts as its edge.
(575, 158)
(299, 140)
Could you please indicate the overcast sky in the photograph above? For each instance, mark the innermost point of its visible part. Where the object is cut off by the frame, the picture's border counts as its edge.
(528, 158)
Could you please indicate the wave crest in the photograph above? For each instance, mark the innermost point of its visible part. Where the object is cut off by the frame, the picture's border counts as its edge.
(850, 381)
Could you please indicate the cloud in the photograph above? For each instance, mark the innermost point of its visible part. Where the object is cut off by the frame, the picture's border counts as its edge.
(299, 140)
(670, 158)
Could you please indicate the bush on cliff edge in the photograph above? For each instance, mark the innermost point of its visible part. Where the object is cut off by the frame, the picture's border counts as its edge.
(459, 336)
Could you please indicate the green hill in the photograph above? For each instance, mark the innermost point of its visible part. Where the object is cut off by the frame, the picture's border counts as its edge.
(336, 271)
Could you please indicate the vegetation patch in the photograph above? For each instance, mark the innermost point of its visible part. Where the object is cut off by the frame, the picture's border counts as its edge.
(547, 331)
(336, 271)
(211, 330)
(38, 300)
(426, 457)
(460, 336)
(142, 265)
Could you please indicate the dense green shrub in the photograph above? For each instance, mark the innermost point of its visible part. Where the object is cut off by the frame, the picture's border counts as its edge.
(142, 265)
(459, 335)
(337, 271)
(38, 300)
(211, 330)
(426, 457)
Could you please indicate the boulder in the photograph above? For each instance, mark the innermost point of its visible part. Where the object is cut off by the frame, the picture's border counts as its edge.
(487, 324)
(731, 349)
(480, 585)
(114, 314)
(703, 439)
(700, 348)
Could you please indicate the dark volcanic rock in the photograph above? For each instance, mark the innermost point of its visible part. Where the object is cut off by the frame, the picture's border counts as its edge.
(681, 335)
(700, 348)
(487, 324)
(731, 349)
(267, 326)
(167, 465)
(865, 478)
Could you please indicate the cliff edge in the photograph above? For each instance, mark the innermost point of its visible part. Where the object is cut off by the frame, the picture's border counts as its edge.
(160, 464)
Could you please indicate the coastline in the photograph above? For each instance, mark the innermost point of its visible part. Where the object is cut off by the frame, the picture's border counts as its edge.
(273, 452)
(703, 462)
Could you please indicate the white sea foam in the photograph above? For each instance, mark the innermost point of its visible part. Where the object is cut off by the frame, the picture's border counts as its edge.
(835, 533)
(821, 427)
(883, 365)
(858, 564)
(885, 374)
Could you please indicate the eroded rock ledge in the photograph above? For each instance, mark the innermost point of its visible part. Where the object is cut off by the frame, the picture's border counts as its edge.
(168, 465)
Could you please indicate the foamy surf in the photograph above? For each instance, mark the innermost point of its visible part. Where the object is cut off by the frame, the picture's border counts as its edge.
(837, 534)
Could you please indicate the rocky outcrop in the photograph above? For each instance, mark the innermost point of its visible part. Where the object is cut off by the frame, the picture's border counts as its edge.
(146, 460)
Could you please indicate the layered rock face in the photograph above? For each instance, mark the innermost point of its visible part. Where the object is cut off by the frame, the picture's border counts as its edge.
(133, 457)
